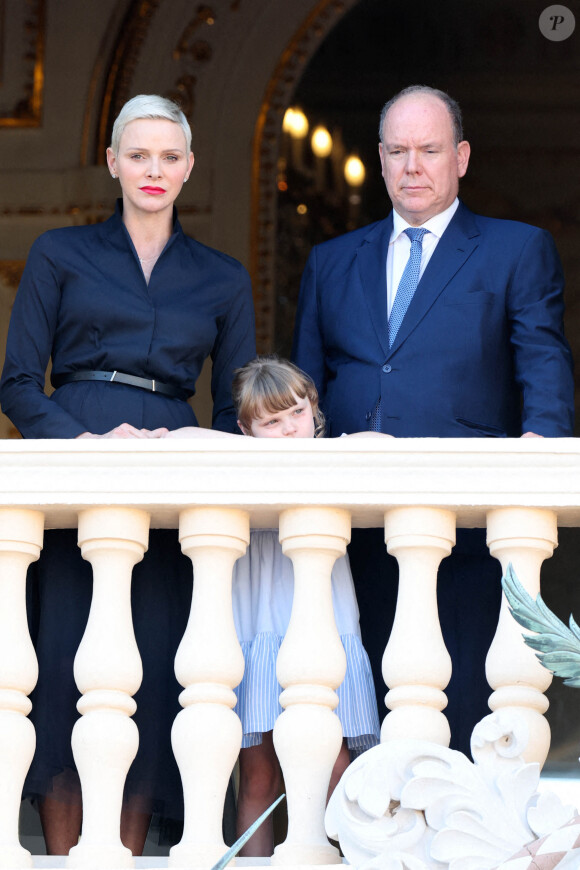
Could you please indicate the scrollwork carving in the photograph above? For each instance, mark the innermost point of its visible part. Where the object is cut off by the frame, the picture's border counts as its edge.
(123, 63)
(193, 50)
(414, 805)
(186, 44)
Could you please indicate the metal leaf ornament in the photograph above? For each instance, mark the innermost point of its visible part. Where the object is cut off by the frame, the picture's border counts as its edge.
(233, 850)
(557, 646)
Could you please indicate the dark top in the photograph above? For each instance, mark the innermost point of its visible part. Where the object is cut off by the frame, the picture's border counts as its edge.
(84, 301)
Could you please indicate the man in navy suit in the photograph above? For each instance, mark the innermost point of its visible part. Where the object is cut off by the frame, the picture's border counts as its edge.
(479, 352)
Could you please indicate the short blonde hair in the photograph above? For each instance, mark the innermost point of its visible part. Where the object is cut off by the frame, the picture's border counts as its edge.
(153, 107)
(269, 384)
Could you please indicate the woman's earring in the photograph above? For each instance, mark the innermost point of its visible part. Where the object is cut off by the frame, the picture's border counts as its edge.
(113, 175)
(185, 179)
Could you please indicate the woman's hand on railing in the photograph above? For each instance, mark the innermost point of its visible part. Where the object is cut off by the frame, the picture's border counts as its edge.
(125, 430)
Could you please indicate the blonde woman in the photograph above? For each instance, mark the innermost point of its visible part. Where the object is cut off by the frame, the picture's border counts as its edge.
(128, 310)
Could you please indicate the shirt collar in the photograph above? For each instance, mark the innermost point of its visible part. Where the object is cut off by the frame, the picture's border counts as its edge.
(115, 228)
(436, 225)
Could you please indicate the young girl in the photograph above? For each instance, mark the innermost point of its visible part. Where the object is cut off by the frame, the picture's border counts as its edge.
(275, 399)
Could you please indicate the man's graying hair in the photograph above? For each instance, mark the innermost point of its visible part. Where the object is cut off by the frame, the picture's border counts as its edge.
(450, 104)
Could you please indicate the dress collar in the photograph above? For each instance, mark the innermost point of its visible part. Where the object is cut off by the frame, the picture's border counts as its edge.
(116, 230)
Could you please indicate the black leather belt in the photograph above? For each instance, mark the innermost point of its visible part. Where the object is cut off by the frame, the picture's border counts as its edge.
(153, 386)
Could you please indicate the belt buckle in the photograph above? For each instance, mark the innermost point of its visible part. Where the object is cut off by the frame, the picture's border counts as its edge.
(153, 386)
(113, 375)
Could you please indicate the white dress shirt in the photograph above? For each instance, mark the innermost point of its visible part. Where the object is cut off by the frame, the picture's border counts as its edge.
(400, 247)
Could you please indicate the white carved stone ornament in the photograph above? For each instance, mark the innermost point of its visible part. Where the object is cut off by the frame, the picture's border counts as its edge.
(416, 805)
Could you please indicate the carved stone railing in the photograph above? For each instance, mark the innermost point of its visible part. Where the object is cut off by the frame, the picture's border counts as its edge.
(214, 491)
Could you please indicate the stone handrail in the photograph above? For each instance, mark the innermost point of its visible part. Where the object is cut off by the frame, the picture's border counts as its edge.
(214, 491)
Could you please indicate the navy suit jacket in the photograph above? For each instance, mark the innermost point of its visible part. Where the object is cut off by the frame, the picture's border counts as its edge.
(480, 352)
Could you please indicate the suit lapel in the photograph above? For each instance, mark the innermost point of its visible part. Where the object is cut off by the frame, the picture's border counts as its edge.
(371, 261)
(455, 247)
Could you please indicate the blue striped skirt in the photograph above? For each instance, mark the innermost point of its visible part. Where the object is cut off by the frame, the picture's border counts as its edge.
(262, 600)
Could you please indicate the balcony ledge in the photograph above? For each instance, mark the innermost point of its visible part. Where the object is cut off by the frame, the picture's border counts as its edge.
(366, 476)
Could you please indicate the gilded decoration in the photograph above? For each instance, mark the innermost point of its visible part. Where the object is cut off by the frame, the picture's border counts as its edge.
(266, 148)
(11, 273)
(125, 56)
(192, 52)
(22, 36)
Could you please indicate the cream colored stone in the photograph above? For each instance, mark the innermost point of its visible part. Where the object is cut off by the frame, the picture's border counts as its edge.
(21, 534)
(108, 672)
(215, 486)
(311, 665)
(416, 664)
(207, 735)
(524, 537)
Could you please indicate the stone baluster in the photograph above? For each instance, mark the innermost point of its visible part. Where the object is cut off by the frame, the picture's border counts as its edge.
(416, 664)
(207, 734)
(524, 537)
(20, 544)
(108, 672)
(311, 665)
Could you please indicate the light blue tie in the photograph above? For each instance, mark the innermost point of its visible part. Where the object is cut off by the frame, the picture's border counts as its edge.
(405, 291)
(408, 282)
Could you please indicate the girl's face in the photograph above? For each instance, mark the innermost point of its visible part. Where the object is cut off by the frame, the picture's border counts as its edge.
(294, 422)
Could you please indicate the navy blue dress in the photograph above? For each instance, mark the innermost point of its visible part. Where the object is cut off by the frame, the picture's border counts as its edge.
(84, 301)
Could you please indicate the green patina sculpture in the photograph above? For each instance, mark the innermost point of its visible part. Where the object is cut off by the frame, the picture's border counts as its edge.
(557, 646)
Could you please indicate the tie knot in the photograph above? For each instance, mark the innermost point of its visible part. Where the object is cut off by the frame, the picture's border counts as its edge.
(416, 233)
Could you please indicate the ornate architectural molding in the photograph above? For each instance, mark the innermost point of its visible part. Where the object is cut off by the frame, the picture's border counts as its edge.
(193, 50)
(11, 273)
(415, 805)
(125, 56)
(277, 97)
(22, 72)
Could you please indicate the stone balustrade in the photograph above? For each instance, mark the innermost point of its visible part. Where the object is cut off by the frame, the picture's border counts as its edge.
(214, 491)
